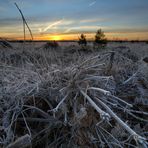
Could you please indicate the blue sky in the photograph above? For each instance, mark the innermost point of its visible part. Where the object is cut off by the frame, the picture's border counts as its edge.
(118, 18)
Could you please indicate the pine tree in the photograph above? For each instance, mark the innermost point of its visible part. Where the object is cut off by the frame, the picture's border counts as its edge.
(100, 39)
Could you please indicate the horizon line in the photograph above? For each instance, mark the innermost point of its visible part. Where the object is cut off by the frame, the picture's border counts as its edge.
(109, 40)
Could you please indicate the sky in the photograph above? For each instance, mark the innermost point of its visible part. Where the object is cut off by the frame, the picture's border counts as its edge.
(67, 19)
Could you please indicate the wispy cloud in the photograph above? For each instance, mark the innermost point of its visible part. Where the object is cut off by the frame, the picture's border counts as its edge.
(83, 28)
(92, 3)
(54, 24)
(93, 20)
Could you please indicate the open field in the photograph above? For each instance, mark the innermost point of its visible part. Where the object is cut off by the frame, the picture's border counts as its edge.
(66, 96)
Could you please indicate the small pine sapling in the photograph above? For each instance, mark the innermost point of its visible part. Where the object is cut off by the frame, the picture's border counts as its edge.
(100, 40)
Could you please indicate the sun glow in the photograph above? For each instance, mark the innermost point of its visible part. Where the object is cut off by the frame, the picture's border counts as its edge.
(56, 38)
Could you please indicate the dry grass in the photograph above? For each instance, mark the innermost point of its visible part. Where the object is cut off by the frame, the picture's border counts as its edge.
(64, 99)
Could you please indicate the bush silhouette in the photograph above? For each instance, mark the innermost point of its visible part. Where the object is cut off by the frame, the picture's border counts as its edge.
(82, 40)
(100, 40)
(51, 44)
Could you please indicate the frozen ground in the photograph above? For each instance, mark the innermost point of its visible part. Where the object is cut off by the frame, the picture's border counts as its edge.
(71, 96)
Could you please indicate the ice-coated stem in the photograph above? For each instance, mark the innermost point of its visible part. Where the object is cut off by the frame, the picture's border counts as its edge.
(103, 114)
(137, 137)
(57, 107)
(108, 93)
(105, 92)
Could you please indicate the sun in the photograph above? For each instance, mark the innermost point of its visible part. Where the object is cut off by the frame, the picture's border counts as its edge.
(56, 38)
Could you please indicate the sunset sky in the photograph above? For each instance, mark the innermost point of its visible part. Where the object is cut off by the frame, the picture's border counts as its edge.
(67, 19)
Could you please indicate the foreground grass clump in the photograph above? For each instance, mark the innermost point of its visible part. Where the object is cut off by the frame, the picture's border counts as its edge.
(47, 102)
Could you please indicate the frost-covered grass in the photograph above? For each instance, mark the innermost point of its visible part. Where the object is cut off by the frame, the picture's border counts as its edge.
(68, 97)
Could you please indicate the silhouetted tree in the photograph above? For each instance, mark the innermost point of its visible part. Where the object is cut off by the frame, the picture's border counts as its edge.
(100, 39)
(82, 40)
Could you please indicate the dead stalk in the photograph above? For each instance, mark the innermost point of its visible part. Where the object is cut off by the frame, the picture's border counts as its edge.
(104, 115)
(138, 138)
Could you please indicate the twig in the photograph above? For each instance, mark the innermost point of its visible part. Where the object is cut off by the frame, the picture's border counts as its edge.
(41, 112)
(108, 93)
(93, 77)
(117, 98)
(94, 66)
(26, 124)
(130, 78)
(105, 92)
(60, 103)
(104, 115)
(137, 137)
(51, 119)
(119, 144)
(23, 142)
